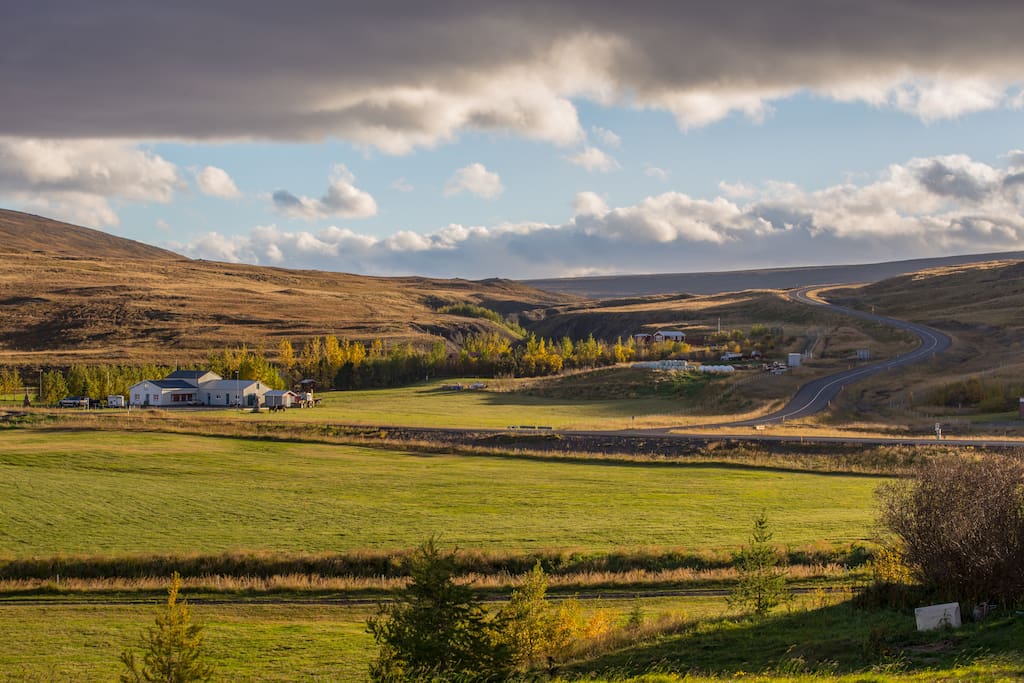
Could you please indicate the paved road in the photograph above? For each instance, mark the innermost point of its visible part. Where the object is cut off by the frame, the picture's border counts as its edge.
(815, 396)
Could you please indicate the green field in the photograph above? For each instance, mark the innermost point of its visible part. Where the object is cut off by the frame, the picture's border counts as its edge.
(115, 493)
(427, 405)
(248, 642)
(328, 642)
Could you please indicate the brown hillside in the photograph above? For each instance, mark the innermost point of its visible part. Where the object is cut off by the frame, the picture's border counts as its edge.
(24, 232)
(58, 306)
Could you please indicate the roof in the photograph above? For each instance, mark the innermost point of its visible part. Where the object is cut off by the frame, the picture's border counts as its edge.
(229, 384)
(281, 392)
(172, 384)
(190, 374)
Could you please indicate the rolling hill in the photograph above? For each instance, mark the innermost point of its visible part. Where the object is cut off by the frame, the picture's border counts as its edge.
(70, 294)
(612, 286)
(26, 233)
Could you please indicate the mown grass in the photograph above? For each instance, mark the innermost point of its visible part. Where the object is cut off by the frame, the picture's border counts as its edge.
(247, 641)
(837, 641)
(115, 493)
(817, 637)
(427, 405)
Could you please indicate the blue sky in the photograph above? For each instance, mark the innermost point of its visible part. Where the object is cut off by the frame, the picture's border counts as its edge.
(560, 140)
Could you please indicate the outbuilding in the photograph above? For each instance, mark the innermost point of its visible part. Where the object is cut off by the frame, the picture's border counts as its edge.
(280, 398)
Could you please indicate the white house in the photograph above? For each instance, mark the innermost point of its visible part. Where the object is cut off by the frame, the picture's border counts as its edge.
(196, 387)
(163, 392)
(232, 392)
(669, 335)
(659, 336)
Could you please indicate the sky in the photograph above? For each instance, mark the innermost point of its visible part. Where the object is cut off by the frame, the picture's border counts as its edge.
(530, 139)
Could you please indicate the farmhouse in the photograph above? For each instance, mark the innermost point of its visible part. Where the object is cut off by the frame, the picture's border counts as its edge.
(660, 336)
(196, 387)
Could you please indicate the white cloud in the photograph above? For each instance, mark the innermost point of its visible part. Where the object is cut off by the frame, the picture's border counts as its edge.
(217, 183)
(606, 137)
(925, 207)
(475, 179)
(590, 204)
(656, 172)
(74, 179)
(342, 200)
(593, 159)
(402, 185)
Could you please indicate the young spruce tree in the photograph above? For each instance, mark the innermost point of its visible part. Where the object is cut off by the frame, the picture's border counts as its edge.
(173, 646)
(762, 583)
(437, 629)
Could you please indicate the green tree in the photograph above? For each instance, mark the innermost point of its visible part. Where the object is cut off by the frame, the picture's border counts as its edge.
(10, 382)
(762, 583)
(437, 629)
(54, 387)
(530, 622)
(173, 646)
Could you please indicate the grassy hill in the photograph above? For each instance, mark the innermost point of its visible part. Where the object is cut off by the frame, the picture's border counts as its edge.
(612, 286)
(27, 233)
(71, 294)
(979, 306)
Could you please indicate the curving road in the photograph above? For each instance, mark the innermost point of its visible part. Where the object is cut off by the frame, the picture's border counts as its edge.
(815, 396)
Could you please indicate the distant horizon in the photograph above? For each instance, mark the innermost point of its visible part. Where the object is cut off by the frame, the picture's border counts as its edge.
(886, 268)
(558, 140)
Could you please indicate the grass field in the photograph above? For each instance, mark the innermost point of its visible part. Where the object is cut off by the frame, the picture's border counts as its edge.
(114, 493)
(248, 642)
(814, 638)
(503, 403)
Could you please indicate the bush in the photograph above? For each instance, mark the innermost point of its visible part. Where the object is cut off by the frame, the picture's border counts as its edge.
(960, 525)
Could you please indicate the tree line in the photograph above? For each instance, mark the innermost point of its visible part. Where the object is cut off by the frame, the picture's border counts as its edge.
(347, 364)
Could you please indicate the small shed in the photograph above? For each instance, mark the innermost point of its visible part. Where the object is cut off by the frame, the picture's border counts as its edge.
(280, 398)
(306, 385)
(793, 360)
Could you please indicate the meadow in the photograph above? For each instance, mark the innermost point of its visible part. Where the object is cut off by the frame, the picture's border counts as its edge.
(818, 636)
(112, 493)
(248, 641)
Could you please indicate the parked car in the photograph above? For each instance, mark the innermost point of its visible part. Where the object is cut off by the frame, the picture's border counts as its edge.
(73, 402)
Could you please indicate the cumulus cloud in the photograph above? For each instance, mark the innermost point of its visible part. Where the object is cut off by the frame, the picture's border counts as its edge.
(342, 200)
(656, 172)
(606, 137)
(475, 179)
(590, 204)
(593, 159)
(924, 207)
(217, 183)
(397, 77)
(74, 179)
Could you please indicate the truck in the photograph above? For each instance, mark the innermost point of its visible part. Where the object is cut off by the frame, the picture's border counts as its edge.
(732, 355)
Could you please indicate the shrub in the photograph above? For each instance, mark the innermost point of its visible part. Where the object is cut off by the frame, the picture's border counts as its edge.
(960, 524)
